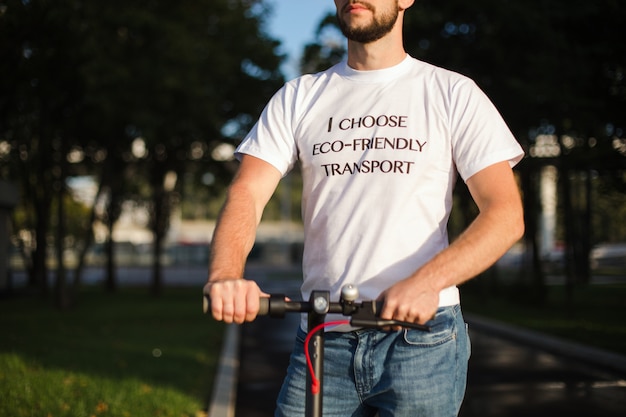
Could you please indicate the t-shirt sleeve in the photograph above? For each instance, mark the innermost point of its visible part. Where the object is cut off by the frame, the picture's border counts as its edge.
(272, 138)
(480, 136)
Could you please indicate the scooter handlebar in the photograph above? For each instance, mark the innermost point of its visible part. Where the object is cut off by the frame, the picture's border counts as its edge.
(364, 314)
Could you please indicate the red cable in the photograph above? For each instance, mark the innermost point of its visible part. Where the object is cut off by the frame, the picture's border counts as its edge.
(315, 382)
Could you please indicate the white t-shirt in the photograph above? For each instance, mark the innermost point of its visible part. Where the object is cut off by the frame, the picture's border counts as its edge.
(379, 153)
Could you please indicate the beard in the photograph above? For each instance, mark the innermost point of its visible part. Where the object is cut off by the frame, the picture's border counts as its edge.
(376, 29)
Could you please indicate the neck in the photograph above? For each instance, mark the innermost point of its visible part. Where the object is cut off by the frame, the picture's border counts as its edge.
(383, 53)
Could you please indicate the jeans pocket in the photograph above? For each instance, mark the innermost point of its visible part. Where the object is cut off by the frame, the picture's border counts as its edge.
(442, 329)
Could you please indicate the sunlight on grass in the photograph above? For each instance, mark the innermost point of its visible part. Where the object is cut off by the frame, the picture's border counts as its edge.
(118, 355)
(30, 390)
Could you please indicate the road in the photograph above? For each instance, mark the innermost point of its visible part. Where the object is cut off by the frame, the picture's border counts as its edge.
(514, 380)
(506, 378)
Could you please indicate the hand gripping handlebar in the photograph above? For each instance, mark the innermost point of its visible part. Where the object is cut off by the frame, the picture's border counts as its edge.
(362, 314)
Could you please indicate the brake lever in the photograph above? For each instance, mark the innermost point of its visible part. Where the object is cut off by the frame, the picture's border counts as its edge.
(366, 316)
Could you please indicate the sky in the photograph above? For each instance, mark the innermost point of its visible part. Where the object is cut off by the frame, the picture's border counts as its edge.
(294, 22)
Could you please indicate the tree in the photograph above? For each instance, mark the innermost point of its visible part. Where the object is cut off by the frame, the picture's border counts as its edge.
(183, 80)
(40, 95)
(92, 78)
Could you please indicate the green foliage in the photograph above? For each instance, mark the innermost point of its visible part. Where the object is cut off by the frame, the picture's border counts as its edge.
(329, 49)
(124, 355)
(557, 63)
(81, 82)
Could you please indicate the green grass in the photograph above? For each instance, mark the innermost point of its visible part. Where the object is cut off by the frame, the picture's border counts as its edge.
(126, 354)
(595, 315)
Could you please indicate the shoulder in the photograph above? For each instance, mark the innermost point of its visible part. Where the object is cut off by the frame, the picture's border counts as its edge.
(440, 77)
(300, 93)
(307, 81)
(424, 67)
(459, 91)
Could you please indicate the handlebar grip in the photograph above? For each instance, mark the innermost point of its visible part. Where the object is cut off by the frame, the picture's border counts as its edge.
(206, 304)
(264, 305)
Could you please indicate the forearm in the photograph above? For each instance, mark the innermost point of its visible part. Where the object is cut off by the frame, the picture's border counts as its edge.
(499, 224)
(497, 227)
(234, 299)
(236, 227)
(234, 235)
(416, 298)
(489, 236)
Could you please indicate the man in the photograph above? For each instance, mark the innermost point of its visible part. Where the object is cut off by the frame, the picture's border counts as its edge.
(380, 139)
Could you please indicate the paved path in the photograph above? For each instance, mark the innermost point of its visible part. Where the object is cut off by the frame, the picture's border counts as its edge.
(506, 379)
(264, 354)
(510, 379)
(513, 373)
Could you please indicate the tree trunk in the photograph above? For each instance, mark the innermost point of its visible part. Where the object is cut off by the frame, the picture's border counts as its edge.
(157, 268)
(569, 227)
(88, 241)
(586, 243)
(110, 282)
(38, 277)
(532, 265)
(159, 225)
(62, 296)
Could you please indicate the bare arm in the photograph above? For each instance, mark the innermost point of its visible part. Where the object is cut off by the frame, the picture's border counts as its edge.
(234, 299)
(497, 227)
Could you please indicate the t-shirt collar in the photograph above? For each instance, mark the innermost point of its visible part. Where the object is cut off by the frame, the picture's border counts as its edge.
(373, 76)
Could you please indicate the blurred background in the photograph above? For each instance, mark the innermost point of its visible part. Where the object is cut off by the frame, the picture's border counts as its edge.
(118, 120)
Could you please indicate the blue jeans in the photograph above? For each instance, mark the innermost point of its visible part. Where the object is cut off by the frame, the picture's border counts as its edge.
(396, 373)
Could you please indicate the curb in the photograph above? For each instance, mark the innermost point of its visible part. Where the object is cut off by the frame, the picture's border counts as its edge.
(591, 355)
(225, 384)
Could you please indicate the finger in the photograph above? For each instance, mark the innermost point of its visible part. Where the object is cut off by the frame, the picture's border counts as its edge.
(387, 310)
(251, 307)
(243, 300)
(217, 308)
(425, 318)
(217, 304)
(228, 310)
